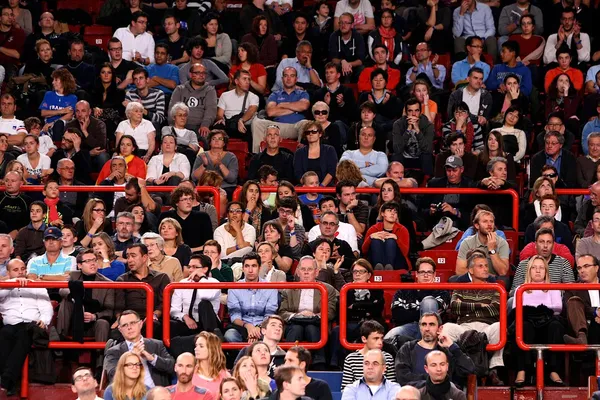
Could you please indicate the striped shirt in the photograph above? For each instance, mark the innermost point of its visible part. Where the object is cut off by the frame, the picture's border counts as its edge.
(559, 268)
(476, 306)
(154, 103)
(353, 368)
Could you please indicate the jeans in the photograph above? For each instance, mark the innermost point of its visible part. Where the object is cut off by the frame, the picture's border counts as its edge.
(428, 305)
(232, 336)
(337, 351)
(385, 252)
(308, 333)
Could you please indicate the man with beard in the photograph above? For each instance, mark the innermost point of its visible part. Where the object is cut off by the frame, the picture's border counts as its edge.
(410, 365)
(93, 134)
(71, 149)
(184, 388)
(438, 383)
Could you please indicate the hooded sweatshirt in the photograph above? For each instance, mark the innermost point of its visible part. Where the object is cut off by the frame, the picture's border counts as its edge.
(500, 71)
(202, 103)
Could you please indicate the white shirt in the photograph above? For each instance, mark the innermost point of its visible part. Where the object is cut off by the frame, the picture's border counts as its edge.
(361, 13)
(226, 240)
(594, 298)
(472, 101)
(345, 232)
(20, 305)
(180, 163)
(44, 163)
(46, 144)
(583, 54)
(140, 133)
(180, 302)
(12, 126)
(306, 300)
(143, 44)
(231, 103)
(148, 381)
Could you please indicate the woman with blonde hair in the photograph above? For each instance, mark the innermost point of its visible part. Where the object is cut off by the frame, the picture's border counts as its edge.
(128, 383)
(246, 374)
(211, 366)
(540, 321)
(104, 248)
(172, 233)
(93, 221)
(347, 170)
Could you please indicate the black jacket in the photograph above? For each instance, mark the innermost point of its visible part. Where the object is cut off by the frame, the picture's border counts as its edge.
(568, 168)
(464, 205)
(82, 161)
(346, 113)
(485, 103)
(283, 162)
(561, 232)
(405, 306)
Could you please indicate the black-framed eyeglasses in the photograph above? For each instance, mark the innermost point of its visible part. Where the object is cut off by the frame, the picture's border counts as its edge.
(82, 377)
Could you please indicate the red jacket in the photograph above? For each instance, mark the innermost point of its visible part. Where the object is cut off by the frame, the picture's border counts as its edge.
(559, 250)
(136, 167)
(399, 230)
(364, 79)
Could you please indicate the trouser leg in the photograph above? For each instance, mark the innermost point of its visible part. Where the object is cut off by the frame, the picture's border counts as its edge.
(576, 315)
(208, 319)
(101, 330)
(493, 334)
(17, 341)
(313, 334)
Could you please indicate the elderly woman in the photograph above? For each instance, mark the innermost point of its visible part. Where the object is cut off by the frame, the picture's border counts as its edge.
(318, 157)
(158, 261)
(219, 160)
(141, 129)
(498, 180)
(236, 237)
(331, 132)
(187, 140)
(168, 168)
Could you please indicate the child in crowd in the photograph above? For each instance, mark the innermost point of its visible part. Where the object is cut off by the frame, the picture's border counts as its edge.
(311, 200)
(33, 125)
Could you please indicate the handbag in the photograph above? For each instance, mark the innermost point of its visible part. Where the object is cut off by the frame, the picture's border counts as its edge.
(231, 124)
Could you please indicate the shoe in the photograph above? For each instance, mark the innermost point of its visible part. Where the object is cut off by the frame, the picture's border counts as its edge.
(378, 267)
(388, 267)
(494, 379)
(580, 339)
(218, 332)
(520, 383)
(556, 383)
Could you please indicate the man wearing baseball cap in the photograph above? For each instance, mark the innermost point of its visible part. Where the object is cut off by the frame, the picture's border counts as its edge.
(452, 205)
(52, 265)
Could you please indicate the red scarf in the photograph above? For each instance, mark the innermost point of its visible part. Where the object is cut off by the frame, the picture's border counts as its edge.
(387, 38)
(52, 210)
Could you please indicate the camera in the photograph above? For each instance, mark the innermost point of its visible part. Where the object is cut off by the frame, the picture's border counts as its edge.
(439, 206)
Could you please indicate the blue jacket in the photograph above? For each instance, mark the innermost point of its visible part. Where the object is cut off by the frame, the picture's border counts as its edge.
(460, 70)
(359, 390)
(327, 162)
(501, 70)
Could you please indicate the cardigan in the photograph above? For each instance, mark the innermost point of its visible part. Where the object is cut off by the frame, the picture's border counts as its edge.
(327, 160)
(180, 163)
(230, 162)
(403, 239)
(223, 49)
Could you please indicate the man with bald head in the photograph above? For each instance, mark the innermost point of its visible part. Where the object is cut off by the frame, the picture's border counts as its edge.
(158, 393)
(584, 217)
(94, 133)
(438, 383)
(21, 308)
(184, 388)
(374, 370)
(14, 205)
(408, 393)
(395, 172)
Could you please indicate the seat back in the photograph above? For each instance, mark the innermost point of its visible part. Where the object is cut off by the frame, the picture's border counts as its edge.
(445, 259)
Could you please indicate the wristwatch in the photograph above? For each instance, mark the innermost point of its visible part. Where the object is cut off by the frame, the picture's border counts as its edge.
(491, 252)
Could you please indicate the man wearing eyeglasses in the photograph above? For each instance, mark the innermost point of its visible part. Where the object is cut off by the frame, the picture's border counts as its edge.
(460, 69)
(82, 315)
(123, 69)
(84, 384)
(158, 364)
(555, 122)
(342, 231)
(554, 154)
(295, 234)
(138, 45)
(584, 305)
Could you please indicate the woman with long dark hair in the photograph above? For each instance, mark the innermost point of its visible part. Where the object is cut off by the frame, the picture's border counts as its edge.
(247, 59)
(255, 212)
(494, 147)
(107, 99)
(218, 48)
(263, 40)
(564, 98)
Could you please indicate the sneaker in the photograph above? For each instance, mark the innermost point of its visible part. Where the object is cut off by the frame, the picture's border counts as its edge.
(388, 267)
(379, 267)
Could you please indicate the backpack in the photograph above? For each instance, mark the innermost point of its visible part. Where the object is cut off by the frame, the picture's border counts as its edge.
(473, 344)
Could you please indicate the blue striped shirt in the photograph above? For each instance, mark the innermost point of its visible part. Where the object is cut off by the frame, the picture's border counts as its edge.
(252, 305)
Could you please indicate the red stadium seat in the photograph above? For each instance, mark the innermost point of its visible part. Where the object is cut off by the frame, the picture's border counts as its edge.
(240, 149)
(388, 276)
(445, 259)
(450, 244)
(354, 87)
(237, 145)
(97, 35)
(488, 59)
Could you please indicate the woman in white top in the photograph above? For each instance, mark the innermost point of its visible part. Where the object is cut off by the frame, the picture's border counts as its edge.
(168, 168)
(141, 129)
(235, 236)
(36, 165)
(515, 141)
(187, 140)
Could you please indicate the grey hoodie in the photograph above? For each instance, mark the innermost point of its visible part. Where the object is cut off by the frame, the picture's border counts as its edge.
(202, 103)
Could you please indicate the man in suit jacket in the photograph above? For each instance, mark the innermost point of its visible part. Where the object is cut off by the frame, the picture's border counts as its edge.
(553, 154)
(98, 311)
(303, 318)
(158, 363)
(581, 307)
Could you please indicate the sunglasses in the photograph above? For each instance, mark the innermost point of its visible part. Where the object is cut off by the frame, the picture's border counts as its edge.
(320, 112)
(552, 176)
(312, 131)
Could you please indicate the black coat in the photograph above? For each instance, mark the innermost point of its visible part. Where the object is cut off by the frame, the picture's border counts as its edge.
(568, 168)
(464, 205)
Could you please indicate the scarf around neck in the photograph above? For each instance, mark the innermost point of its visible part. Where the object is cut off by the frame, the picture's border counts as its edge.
(438, 390)
(52, 209)
(387, 38)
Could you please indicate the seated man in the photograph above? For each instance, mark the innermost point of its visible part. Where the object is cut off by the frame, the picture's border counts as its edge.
(395, 172)
(347, 48)
(589, 245)
(84, 384)
(456, 147)
(548, 222)
(163, 75)
(344, 231)
(460, 69)
(66, 177)
(549, 205)
(184, 388)
(340, 248)
(290, 382)
(554, 154)
(485, 319)
(285, 107)
(584, 216)
(98, 311)
(371, 334)
(12, 40)
(316, 389)
(153, 99)
(157, 362)
(582, 305)
(380, 56)
(303, 315)
(138, 45)
(308, 77)
(588, 165)
(371, 163)
(6, 250)
(71, 148)
(124, 238)
(272, 334)
(510, 18)
(280, 158)
(30, 239)
(410, 363)
(409, 305)
(509, 65)
(193, 311)
(13, 127)
(19, 307)
(563, 56)
(569, 34)
(437, 365)
(249, 308)
(295, 234)
(14, 204)
(339, 98)
(52, 265)
(351, 209)
(473, 18)
(237, 107)
(94, 135)
(81, 71)
(475, 96)
(374, 367)
(423, 65)
(556, 122)
(591, 126)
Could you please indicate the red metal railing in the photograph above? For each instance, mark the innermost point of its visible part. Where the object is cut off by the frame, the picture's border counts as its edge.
(539, 348)
(77, 345)
(422, 286)
(572, 192)
(242, 285)
(90, 189)
(331, 190)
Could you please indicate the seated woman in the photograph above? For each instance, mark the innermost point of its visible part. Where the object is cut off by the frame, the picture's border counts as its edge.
(210, 367)
(37, 166)
(514, 140)
(170, 230)
(212, 178)
(93, 221)
(368, 114)
(219, 160)
(245, 376)
(386, 35)
(140, 129)
(386, 103)
(264, 41)
(542, 186)
(318, 157)
(348, 171)
(42, 66)
(128, 382)
(331, 132)
(461, 123)
(58, 105)
(141, 223)
(126, 148)
(203, 206)
(272, 233)
(303, 214)
(512, 97)
(218, 48)
(531, 45)
(255, 212)
(16, 166)
(5, 156)
(168, 168)
(498, 180)
(268, 272)
(104, 248)
(107, 99)
(363, 304)
(261, 355)
(327, 272)
(564, 98)
(386, 243)
(494, 147)
(236, 237)
(187, 140)
(541, 323)
(429, 108)
(247, 59)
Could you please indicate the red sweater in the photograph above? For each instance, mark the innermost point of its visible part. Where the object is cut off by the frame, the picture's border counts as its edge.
(559, 250)
(399, 230)
(136, 167)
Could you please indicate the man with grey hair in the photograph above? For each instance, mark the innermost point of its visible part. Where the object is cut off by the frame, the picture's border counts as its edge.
(157, 260)
(158, 393)
(302, 63)
(277, 157)
(588, 164)
(94, 133)
(6, 250)
(301, 308)
(65, 167)
(408, 392)
(554, 154)
(123, 238)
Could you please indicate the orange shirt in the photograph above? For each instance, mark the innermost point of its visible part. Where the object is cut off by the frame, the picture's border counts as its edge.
(364, 80)
(575, 75)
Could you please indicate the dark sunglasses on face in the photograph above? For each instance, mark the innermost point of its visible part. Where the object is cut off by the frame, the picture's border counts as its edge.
(321, 112)
(312, 131)
(550, 175)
